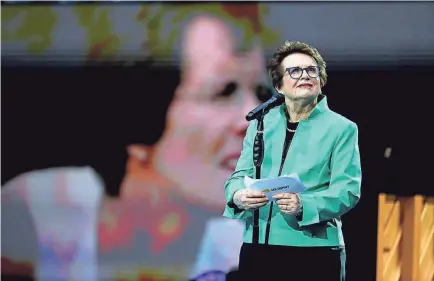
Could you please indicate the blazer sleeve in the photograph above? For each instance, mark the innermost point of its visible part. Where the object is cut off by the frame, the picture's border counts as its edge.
(235, 182)
(344, 190)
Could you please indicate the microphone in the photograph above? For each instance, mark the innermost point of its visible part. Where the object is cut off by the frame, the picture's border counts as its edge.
(275, 100)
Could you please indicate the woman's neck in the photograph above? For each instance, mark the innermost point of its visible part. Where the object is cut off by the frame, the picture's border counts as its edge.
(299, 109)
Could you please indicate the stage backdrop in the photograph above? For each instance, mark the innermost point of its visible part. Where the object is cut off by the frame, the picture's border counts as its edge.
(121, 123)
(344, 32)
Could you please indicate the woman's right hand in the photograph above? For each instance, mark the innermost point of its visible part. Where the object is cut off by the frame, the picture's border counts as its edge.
(247, 199)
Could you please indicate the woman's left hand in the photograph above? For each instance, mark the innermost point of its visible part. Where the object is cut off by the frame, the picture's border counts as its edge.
(289, 203)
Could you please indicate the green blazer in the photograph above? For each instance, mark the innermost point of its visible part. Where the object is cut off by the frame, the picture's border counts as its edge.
(325, 154)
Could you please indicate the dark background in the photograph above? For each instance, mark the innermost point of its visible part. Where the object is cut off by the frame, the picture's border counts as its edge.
(60, 116)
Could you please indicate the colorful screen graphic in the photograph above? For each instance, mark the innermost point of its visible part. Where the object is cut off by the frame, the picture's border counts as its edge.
(165, 222)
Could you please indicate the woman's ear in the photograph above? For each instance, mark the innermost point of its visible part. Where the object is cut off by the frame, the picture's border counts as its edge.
(138, 151)
(279, 90)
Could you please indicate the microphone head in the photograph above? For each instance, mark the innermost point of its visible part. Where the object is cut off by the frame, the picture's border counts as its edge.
(250, 116)
(279, 99)
(275, 100)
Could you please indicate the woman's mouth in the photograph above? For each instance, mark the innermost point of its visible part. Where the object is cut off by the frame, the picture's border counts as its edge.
(305, 85)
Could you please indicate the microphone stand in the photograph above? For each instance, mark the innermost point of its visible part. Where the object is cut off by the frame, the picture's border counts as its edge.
(258, 148)
(258, 157)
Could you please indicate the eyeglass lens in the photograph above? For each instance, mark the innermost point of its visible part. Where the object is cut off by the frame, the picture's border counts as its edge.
(297, 72)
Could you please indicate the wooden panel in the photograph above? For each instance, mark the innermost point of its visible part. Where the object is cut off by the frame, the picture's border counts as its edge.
(426, 261)
(388, 238)
(405, 238)
(412, 207)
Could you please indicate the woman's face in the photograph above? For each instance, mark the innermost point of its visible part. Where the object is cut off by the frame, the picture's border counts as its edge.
(206, 120)
(303, 87)
(206, 127)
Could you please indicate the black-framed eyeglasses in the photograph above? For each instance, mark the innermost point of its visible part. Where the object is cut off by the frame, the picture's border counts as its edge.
(297, 72)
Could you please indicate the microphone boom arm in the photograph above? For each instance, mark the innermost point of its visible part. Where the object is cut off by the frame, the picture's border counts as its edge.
(262, 109)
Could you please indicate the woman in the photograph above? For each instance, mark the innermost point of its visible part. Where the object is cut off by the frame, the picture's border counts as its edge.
(297, 236)
(176, 183)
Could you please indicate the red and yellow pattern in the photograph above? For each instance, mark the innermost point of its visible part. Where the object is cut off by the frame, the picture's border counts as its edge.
(101, 31)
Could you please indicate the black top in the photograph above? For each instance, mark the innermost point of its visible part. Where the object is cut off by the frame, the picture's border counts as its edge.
(290, 132)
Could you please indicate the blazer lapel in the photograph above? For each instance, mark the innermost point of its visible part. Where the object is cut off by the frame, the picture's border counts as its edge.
(303, 133)
(275, 135)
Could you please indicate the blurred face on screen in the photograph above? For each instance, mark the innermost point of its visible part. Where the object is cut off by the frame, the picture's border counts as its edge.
(206, 120)
(297, 83)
